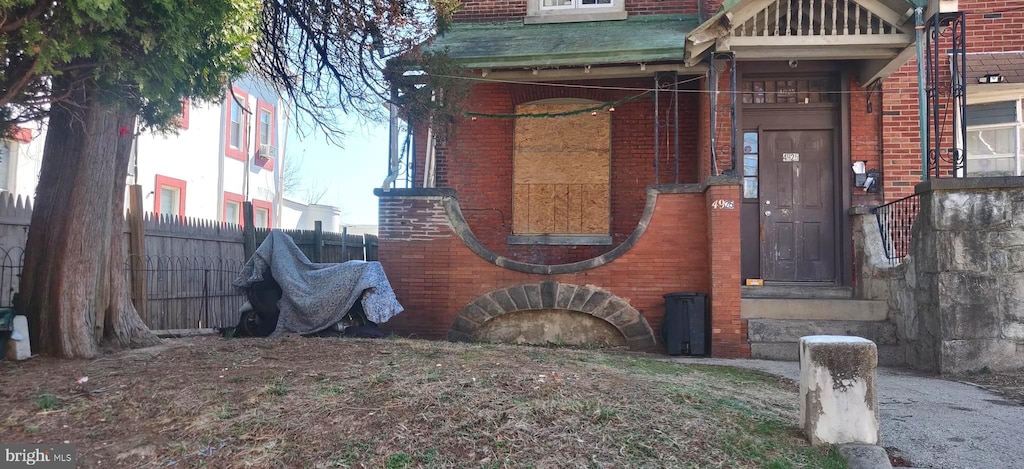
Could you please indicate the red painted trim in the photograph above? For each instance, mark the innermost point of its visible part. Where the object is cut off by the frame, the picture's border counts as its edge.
(261, 105)
(186, 104)
(236, 153)
(237, 198)
(169, 182)
(269, 207)
(22, 134)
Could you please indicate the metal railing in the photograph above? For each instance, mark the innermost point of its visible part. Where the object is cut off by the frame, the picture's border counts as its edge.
(11, 263)
(895, 220)
(190, 292)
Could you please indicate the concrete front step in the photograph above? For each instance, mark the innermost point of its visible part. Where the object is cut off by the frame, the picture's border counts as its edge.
(791, 330)
(814, 309)
(797, 291)
(888, 355)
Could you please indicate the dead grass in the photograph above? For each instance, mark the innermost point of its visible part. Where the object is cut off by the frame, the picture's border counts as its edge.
(1007, 383)
(321, 403)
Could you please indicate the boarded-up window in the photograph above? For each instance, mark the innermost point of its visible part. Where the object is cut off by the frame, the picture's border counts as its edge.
(561, 170)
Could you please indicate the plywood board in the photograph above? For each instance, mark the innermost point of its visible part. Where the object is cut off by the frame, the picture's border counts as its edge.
(581, 131)
(595, 209)
(560, 203)
(542, 213)
(561, 167)
(521, 208)
(561, 171)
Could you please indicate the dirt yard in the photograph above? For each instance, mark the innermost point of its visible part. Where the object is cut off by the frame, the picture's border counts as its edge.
(1009, 383)
(327, 402)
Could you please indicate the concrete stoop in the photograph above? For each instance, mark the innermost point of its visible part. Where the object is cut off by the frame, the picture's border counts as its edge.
(774, 326)
(814, 309)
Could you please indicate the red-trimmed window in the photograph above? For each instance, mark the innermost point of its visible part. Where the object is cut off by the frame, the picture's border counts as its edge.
(22, 134)
(183, 118)
(262, 214)
(235, 144)
(169, 198)
(265, 133)
(233, 204)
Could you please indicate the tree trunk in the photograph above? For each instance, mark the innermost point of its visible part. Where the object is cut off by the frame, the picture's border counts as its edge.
(73, 288)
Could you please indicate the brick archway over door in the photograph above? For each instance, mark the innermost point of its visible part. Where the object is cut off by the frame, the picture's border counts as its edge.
(587, 299)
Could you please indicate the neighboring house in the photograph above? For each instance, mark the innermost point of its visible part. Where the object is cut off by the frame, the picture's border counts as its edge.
(20, 159)
(223, 154)
(601, 164)
(995, 48)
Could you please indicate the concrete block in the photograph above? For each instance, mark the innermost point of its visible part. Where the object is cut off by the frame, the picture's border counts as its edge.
(963, 321)
(838, 400)
(962, 356)
(791, 330)
(814, 309)
(18, 346)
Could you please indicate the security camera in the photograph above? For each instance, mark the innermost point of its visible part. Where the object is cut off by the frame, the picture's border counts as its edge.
(793, 63)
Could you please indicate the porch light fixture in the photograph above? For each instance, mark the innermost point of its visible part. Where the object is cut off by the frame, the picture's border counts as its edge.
(991, 78)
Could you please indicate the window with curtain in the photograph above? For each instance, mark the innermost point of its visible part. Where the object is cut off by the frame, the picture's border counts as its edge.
(993, 141)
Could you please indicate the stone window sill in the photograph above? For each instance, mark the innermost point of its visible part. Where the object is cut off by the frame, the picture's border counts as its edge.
(561, 240)
(572, 16)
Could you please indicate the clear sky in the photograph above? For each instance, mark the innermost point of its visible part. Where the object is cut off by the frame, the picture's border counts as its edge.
(349, 172)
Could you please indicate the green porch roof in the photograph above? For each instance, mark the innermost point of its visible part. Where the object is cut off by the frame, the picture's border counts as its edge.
(647, 38)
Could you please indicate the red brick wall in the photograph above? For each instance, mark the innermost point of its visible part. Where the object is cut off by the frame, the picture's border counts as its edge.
(723, 130)
(435, 278)
(901, 140)
(708, 8)
(728, 331)
(865, 143)
(477, 161)
(483, 11)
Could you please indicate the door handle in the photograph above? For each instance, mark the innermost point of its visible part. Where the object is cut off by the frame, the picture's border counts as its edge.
(767, 213)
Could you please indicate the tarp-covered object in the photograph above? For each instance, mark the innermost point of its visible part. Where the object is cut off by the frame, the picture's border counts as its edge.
(317, 296)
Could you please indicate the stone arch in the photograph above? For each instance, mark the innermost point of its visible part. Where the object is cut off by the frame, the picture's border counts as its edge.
(587, 299)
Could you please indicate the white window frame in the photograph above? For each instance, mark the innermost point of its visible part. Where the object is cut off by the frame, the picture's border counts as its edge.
(238, 212)
(256, 217)
(1018, 130)
(175, 201)
(536, 12)
(232, 132)
(265, 134)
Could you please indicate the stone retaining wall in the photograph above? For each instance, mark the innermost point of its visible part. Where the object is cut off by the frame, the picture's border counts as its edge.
(958, 298)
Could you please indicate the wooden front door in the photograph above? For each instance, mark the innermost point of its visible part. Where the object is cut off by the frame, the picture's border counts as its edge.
(797, 206)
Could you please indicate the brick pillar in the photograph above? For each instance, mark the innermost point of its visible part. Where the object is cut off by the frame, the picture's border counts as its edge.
(415, 239)
(728, 331)
(708, 8)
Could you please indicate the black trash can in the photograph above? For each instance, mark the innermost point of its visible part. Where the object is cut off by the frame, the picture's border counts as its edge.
(686, 327)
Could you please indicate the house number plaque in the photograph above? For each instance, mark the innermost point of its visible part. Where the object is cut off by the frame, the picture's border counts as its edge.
(722, 204)
(790, 157)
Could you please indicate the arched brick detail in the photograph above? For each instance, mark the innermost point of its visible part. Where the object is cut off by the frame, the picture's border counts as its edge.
(586, 299)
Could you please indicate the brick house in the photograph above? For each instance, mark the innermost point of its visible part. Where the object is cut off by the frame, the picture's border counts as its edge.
(614, 151)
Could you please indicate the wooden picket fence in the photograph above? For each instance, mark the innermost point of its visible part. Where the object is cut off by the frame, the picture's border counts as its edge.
(179, 269)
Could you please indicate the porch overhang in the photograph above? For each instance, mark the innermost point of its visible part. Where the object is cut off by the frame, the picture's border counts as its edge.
(649, 39)
(879, 33)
